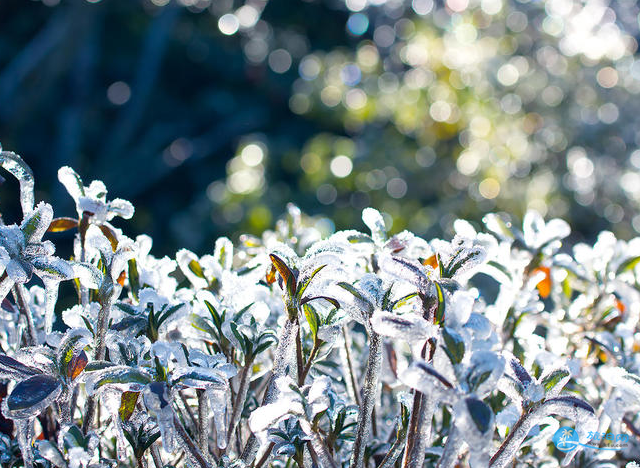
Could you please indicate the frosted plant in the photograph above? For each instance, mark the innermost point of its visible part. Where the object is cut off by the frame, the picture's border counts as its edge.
(311, 349)
(91, 201)
(50, 383)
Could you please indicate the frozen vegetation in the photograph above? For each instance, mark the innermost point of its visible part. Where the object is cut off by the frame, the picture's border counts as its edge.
(360, 349)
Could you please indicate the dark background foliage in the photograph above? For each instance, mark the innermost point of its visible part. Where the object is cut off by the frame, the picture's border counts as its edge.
(158, 103)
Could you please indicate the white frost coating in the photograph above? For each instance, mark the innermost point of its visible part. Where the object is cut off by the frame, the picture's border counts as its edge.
(408, 327)
(423, 377)
(620, 378)
(111, 399)
(374, 221)
(184, 257)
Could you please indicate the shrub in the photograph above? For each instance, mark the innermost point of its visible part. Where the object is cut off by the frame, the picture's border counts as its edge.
(360, 349)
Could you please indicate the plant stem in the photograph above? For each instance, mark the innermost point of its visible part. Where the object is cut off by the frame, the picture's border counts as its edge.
(318, 448)
(188, 410)
(155, 455)
(507, 450)
(265, 456)
(421, 414)
(352, 375)
(303, 375)
(281, 359)
(99, 354)
(396, 448)
(18, 294)
(370, 386)
(203, 423)
(191, 447)
(238, 403)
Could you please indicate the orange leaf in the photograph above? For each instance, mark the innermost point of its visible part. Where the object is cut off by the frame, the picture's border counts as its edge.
(431, 261)
(620, 306)
(122, 277)
(62, 224)
(544, 286)
(109, 234)
(271, 275)
(77, 365)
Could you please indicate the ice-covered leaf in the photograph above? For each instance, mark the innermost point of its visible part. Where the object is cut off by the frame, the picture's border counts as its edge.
(12, 369)
(423, 377)
(121, 208)
(620, 378)
(223, 253)
(375, 222)
(484, 370)
(408, 327)
(72, 182)
(128, 402)
(36, 223)
(14, 164)
(69, 351)
(51, 453)
(554, 380)
(122, 377)
(31, 396)
(453, 345)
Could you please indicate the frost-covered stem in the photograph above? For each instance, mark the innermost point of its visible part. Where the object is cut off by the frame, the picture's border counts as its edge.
(189, 445)
(23, 433)
(317, 447)
(396, 448)
(374, 364)
(265, 457)
(299, 358)
(187, 409)
(18, 294)
(307, 367)
(155, 455)
(239, 400)
(64, 408)
(509, 447)
(419, 428)
(352, 374)
(281, 358)
(203, 422)
(100, 346)
(449, 457)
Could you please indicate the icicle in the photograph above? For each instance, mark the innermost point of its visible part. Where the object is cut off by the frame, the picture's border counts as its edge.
(218, 403)
(51, 290)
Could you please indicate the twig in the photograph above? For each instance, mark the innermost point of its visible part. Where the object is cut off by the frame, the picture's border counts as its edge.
(189, 445)
(370, 386)
(18, 294)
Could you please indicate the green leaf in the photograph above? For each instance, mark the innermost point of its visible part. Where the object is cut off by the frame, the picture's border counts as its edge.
(628, 264)
(454, 345)
(136, 379)
(331, 300)
(304, 284)
(556, 377)
(75, 438)
(481, 414)
(128, 402)
(312, 319)
(134, 278)
(441, 304)
(196, 269)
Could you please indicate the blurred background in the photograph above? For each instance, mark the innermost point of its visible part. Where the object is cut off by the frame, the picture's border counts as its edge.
(211, 115)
